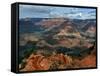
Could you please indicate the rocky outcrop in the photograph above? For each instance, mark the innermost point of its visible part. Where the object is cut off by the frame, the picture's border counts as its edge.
(40, 62)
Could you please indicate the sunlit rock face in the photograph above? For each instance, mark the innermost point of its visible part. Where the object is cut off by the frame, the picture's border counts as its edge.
(57, 61)
(39, 62)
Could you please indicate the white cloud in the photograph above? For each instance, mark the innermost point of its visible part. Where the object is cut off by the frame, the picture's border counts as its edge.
(51, 12)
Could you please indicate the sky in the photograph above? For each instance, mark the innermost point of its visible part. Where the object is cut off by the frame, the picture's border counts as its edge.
(34, 11)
